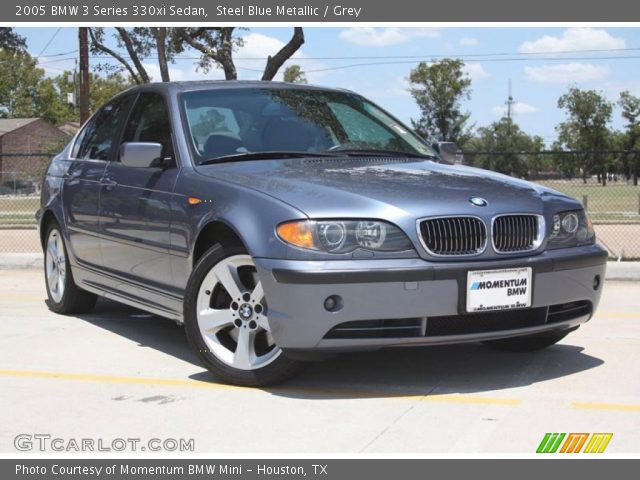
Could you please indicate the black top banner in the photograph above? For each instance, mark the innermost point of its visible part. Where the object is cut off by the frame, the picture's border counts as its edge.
(325, 11)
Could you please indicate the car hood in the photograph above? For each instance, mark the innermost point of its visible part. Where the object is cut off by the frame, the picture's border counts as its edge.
(382, 187)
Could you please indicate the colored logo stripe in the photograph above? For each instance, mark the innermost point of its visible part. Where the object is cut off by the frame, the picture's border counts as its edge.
(598, 442)
(574, 442)
(550, 443)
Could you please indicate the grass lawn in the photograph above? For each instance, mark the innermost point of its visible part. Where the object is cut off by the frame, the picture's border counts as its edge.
(18, 210)
(615, 203)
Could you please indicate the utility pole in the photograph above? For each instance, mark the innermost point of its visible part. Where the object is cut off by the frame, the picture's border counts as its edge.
(510, 103)
(83, 38)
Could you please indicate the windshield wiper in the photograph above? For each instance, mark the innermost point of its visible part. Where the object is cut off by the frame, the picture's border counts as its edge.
(264, 156)
(367, 152)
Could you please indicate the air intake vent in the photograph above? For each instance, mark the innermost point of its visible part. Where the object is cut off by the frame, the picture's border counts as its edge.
(454, 236)
(516, 233)
(395, 328)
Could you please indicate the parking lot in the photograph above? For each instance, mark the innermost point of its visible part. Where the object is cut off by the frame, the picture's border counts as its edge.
(122, 373)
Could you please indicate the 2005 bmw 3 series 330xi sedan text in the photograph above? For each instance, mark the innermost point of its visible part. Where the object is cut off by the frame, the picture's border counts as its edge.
(281, 223)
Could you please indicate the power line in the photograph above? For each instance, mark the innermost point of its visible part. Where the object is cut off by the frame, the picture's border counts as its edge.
(389, 57)
(49, 42)
(371, 64)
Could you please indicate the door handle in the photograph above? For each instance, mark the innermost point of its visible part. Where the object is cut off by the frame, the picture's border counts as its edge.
(108, 184)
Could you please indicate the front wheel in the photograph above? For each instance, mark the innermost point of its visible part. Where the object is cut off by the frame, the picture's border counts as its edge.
(528, 343)
(64, 296)
(227, 323)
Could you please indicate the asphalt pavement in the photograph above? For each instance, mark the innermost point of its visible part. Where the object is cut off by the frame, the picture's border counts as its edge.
(121, 373)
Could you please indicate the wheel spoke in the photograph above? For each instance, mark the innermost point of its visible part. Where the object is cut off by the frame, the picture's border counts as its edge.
(227, 275)
(52, 278)
(257, 293)
(52, 249)
(60, 284)
(244, 355)
(59, 247)
(263, 322)
(213, 319)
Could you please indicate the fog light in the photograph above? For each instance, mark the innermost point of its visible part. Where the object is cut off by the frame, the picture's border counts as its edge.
(596, 282)
(333, 303)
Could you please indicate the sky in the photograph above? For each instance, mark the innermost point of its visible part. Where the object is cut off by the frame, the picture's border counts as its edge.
(541, 64)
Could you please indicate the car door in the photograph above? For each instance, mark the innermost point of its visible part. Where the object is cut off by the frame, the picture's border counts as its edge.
(135, 213)
(93, 148)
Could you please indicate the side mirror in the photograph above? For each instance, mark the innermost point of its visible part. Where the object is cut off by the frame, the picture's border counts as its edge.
(141, 154)
(450, 152)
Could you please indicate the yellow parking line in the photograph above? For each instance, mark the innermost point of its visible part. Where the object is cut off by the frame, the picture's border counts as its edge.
(320, 391)
(616, 315)
(623, 407)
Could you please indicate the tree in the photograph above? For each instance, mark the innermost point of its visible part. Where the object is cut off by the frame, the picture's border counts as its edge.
(217, 45)
(586, 130)
(140, 43)
(294, 74)
(630, 105)
(103, 87)
(439, 89)
(505, 140)
(18, 83)
(10, 40)
(51, 103)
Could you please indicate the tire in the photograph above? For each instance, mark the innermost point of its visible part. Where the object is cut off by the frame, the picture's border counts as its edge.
(528, 343)
(64, 296)
(226, 322)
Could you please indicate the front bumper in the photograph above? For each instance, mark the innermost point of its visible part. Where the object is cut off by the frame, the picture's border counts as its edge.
(415, 290)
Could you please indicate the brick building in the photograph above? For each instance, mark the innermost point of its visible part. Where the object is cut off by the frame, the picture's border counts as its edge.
(20, 137)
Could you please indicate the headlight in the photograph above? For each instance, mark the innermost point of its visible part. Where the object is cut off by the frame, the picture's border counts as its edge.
(571, 229)
(344, 236)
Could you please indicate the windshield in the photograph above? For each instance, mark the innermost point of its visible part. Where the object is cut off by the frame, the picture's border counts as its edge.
(228, 122)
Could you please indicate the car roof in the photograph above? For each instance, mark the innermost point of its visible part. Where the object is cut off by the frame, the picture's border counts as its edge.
(188, 86)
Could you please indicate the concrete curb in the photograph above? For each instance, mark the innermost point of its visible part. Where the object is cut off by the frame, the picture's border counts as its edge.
(9, 261)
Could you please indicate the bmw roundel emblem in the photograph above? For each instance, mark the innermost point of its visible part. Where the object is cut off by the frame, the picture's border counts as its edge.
(478, 202)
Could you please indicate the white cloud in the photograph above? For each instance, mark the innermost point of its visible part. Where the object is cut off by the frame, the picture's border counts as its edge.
(574, 39)
(468, 42)
(259, 46)
(476, 71)
(567, 73)
(384, 37)
(519, 108)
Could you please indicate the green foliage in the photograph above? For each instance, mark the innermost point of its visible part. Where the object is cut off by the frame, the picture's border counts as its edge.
(10, 40)
(294, 74)
(504, 139)
(439, 89)
(18, 83)
(25, 91)
(585, 130)
(630, 139)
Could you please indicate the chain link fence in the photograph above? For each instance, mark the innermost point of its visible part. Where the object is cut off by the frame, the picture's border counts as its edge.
(614, 208)
(20, 181)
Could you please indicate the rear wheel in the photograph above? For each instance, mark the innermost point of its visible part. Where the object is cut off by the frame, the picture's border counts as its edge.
(227, 323)
(528, 343)
(63, 294)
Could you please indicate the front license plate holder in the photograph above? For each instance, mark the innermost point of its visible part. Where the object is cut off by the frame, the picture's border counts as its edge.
(499, 289)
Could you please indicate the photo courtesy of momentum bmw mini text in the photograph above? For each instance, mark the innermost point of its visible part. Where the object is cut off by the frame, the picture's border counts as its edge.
(329, 239)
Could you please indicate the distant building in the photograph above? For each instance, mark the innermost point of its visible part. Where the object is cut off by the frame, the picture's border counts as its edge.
(70, 128)
(20, 138)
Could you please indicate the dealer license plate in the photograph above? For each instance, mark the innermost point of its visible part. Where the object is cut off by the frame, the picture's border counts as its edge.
(489, 290)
